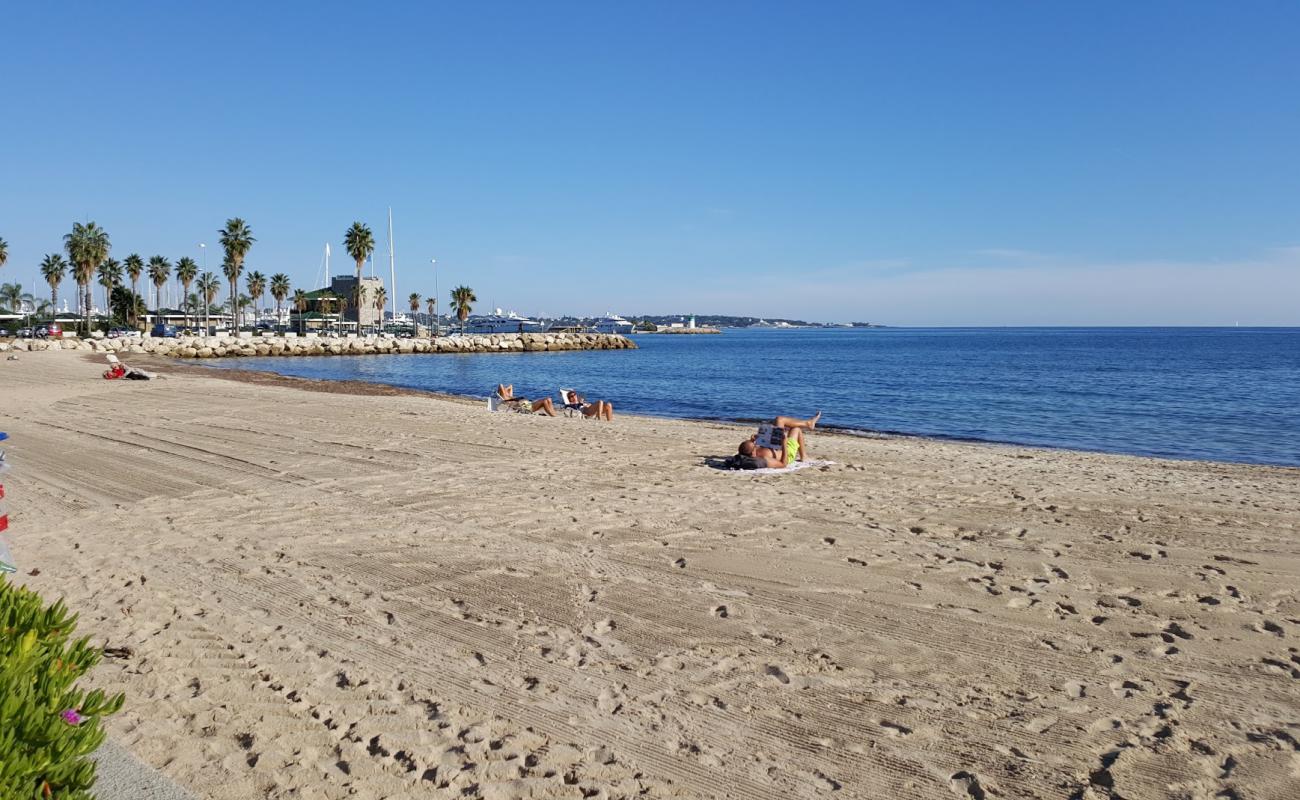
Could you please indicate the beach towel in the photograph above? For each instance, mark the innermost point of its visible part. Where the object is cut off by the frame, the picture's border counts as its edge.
(795, 467)
(722, 464)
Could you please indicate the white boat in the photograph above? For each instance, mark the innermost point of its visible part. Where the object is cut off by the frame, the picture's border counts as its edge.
(503, 323)
(612, 323)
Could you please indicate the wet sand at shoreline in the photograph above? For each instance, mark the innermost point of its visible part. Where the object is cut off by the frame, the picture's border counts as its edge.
(334, 591)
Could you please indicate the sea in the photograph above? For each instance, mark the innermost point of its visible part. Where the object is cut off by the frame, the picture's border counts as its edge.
(1220, 394)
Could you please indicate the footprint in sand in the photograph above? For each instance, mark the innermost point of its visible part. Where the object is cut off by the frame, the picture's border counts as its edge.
(720, 612)
(966, 784)
(774, 671)
(1268, 626)
(895, 729)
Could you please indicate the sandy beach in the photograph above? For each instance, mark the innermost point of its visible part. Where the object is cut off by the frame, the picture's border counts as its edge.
(324, 594)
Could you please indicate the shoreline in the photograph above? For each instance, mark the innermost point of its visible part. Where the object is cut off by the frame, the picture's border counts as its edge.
(379, 388)
(335, 594)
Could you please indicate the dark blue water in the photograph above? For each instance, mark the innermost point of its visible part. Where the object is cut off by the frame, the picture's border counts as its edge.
(1227, 394)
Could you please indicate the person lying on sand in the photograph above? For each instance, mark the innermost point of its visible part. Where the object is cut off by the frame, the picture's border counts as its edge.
(506, 392)
(795, 449)
(754, 457)
(600, 409)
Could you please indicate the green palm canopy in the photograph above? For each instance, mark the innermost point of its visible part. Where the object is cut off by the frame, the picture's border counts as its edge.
(462, 302)
(236, 239)
(186, 271)
(53, 269)
(88, 246)
(160, 271)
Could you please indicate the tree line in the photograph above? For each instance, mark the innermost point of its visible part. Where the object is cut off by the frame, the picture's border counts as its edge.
(88, 247)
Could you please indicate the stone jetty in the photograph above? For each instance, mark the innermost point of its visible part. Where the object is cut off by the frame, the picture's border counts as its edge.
(249, 345)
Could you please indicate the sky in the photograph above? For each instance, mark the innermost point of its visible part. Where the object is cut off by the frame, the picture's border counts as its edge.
(942, 163)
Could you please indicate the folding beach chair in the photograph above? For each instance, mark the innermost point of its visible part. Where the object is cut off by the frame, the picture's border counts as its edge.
(574, 408)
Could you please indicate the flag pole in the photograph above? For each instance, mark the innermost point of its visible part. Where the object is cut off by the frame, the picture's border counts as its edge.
(392, 264)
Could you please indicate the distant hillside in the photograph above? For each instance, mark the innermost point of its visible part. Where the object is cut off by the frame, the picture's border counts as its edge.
(725, 321)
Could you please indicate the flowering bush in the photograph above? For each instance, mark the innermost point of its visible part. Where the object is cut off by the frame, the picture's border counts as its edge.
(48, 726)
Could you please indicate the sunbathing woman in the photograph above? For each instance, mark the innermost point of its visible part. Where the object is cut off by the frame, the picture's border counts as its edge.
(506, 392)
(599, 409)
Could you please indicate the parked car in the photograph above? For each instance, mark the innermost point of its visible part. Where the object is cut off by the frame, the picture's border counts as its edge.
(118, 333)
(161, 331)
(50, 330)
(4, 332)
(24, 333)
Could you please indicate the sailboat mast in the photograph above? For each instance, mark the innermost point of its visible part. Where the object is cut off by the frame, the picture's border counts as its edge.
(392, 263)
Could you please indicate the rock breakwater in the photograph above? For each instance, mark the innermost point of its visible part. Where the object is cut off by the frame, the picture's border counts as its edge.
(247, 345)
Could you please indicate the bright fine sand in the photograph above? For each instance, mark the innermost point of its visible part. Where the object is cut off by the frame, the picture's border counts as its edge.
(327, 595)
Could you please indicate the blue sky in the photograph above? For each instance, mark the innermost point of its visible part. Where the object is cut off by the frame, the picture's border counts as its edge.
(942, 163)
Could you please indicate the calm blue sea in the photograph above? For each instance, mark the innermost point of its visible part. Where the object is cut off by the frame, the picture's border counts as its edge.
(1227, 394)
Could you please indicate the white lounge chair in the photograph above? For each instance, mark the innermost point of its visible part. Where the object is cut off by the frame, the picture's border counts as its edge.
(573, 409)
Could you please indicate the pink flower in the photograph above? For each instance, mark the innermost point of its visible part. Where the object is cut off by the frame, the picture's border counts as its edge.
(72, 716)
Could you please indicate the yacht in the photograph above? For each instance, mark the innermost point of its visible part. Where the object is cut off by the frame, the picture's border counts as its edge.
(503, 323)
(612, 323)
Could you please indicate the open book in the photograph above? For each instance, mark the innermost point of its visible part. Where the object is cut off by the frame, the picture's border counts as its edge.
(771, 437)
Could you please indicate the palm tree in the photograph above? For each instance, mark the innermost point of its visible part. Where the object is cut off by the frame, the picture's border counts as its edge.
(110, 275)
(414, 301)
(160, 271)
(186, 271)
(360, 243)
(4, 252)
(343, 304)
(134, 269)
(299, 302)
(433, 308)
(326, 305)
(208, 287)
(256, 288)
(381, 299)
(11, 296)
(53, 268)
(15, 299)
(231, 272)
(237, 239)
(279, 291)
(462, 301)
(88, 246)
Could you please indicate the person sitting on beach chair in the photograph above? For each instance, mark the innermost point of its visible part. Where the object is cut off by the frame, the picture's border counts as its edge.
(574, 403)
(506, 395)
(791, 448)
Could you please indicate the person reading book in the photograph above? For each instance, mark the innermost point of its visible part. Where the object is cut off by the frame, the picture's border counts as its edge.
(780, 443)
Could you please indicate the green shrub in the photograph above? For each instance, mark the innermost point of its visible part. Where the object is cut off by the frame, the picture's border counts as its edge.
(48, 726)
